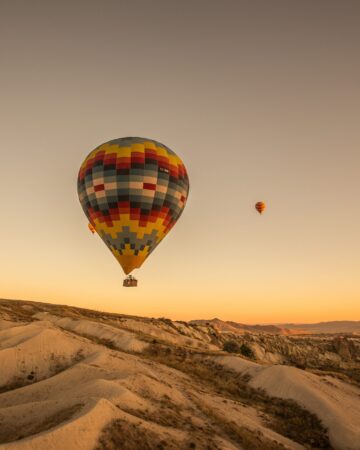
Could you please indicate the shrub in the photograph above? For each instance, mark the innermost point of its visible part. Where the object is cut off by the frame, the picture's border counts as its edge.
(231, 347)
(246, 351)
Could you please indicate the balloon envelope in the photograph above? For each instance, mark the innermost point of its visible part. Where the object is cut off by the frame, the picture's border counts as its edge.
(260, 207)
(132, 190)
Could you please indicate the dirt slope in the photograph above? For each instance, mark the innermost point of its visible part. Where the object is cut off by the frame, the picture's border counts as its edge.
(79, 379)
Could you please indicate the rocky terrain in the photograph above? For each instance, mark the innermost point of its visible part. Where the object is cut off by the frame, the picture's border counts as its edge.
(81, 379)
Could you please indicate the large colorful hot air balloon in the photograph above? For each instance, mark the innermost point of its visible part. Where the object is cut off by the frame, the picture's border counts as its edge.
(260, 207)
(132, 190)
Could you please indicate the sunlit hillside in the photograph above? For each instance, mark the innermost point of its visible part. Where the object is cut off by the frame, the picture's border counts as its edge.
(81, 379)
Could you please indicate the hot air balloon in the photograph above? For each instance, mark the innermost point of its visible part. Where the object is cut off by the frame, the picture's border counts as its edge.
(132, 190)
(91, 228)
(260, 207)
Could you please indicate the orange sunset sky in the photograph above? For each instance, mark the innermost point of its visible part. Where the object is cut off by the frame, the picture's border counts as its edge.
(260, 99)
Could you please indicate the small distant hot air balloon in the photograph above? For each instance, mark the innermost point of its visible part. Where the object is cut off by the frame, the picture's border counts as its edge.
(132, 190)
(260, 207)
(91, 228)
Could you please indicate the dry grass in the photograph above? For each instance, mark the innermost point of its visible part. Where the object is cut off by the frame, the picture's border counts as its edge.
(284, 416)
(200, 436)
(120, 434)
(123, 435)
(246, 438)
(15, 433)
(350, 376)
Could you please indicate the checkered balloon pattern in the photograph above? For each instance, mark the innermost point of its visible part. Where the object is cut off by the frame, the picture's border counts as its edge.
(132, 190)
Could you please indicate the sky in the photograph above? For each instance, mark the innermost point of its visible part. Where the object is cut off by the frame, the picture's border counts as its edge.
(260, 99)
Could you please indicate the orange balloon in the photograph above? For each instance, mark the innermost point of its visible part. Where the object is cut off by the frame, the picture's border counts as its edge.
(260, 207)
(91, 228)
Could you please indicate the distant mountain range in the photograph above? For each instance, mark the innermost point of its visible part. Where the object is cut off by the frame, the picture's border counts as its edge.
(344, 326)
(341, 326)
